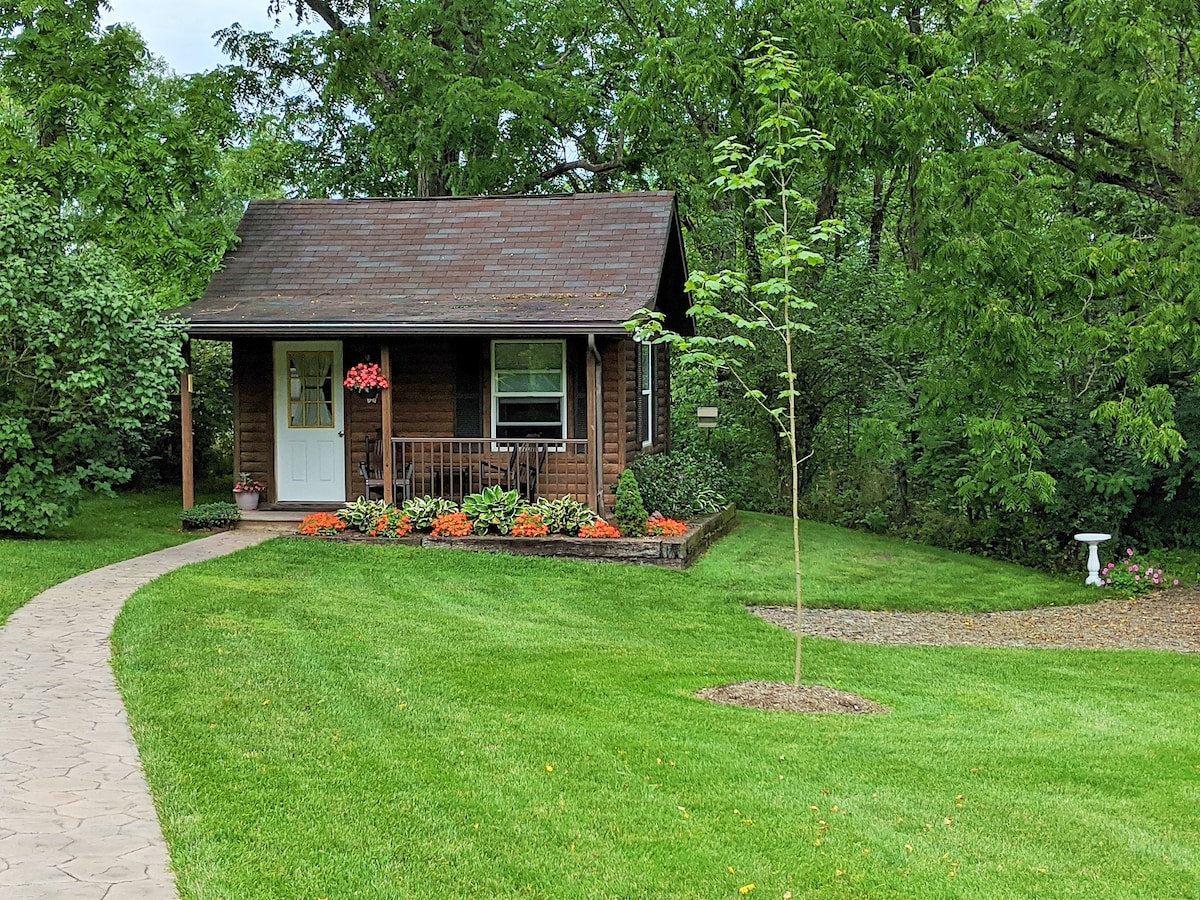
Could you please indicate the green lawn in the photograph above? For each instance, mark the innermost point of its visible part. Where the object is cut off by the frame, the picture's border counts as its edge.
(107, 530)
(854, 570)
(332, 720)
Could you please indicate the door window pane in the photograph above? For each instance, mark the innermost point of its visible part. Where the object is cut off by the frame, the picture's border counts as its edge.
(310, 388)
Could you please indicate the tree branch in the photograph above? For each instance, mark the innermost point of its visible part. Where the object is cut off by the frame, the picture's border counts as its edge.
(1152, 190)
(563, 168)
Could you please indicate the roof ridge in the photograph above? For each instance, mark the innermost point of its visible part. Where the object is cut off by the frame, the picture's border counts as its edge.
(460, 198)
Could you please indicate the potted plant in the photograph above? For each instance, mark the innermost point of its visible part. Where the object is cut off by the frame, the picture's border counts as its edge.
(366, 380)
(246, 491)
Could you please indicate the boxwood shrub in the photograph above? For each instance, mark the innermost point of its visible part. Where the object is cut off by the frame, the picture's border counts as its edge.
(210, 515)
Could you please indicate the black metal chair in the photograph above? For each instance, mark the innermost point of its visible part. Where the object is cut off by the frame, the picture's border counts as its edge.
(371, 469)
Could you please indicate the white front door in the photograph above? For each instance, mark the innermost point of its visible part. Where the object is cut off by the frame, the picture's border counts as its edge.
(310, 422)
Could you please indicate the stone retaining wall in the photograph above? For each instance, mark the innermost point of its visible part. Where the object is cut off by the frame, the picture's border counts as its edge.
(673, 552)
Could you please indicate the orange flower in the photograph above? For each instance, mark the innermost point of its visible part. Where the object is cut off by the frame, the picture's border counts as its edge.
(600, 530)
(322, 523)
(530, 525)
(665, 527)
(452, 525)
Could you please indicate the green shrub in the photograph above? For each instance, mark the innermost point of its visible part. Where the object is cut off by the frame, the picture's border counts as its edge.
(564, 515)
(494, 509)
(210, 515)
(362, 514)
(421, 511)
(683, 483)
(630, 511)
(86, 366)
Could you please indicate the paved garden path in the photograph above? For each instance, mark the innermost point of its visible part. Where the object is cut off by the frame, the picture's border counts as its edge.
(76, 818)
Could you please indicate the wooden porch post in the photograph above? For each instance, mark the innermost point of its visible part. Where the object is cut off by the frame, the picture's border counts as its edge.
(389, 463)
(187, 446)
(595, 435)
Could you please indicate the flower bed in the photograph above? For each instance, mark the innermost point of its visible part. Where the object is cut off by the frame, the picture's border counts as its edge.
(454, 531)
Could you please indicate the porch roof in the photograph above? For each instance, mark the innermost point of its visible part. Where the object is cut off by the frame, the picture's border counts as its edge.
(574, 263)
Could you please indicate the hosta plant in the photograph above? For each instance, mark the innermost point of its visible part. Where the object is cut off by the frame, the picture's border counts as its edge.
(362, 514)
(421, 511)
(492, 509)
(564, 515)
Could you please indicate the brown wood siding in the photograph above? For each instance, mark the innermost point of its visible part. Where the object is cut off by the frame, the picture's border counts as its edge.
(662, 400)
(631, 447)
(253, 431)
(616, 423)
(422, 396)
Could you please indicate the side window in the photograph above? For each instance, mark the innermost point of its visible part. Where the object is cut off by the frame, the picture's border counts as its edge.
(645, 380)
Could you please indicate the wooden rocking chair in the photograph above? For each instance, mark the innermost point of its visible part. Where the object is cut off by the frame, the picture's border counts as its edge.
(371, 469)
(521, 473)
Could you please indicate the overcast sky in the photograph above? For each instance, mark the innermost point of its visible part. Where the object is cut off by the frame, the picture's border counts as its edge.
(180, 31)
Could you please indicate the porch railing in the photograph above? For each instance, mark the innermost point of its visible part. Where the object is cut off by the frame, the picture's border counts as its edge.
(455, 467)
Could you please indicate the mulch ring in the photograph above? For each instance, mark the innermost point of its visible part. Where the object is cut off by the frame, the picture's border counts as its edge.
(776, 697)
(1163, 620)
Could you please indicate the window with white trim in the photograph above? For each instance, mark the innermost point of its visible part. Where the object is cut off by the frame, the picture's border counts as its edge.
(645, 376)
(529, 389)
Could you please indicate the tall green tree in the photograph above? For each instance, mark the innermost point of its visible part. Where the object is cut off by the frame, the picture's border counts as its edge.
(742, 313)
(135, 154)
(85, 364)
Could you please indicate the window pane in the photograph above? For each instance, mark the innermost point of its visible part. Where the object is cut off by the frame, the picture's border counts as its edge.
(524, 356)
(545, 432)
(529, 382)
(530, 410)
(647, 366)
(310, 389)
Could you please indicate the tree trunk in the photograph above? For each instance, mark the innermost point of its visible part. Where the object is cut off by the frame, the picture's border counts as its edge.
(875, 241)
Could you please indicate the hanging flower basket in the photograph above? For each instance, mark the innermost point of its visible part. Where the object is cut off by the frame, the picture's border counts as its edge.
(366, 380)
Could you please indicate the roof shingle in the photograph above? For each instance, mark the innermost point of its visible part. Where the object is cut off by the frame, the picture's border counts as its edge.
(578, 262)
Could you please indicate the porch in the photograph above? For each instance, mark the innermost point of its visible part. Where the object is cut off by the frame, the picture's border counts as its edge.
(453, 467)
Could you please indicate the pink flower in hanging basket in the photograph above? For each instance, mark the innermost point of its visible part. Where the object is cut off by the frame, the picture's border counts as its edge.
(365, 378)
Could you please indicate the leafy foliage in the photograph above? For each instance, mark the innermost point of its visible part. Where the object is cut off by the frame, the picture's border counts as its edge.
(422, 511)
(85, 367)
(682, 483)
(564, 515)
(493, 509)
(211, 515)
(629, 512)
(362, 514)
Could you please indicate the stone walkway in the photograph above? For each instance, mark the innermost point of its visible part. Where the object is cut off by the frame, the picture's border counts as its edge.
(76, 818)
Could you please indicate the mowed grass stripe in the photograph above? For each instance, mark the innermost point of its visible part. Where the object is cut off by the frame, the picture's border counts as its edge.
(322, 720)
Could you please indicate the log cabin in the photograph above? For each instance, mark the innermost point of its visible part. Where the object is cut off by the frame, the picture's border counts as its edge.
(498, 322)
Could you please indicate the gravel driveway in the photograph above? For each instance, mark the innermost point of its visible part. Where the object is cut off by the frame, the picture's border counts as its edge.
(1165, 620)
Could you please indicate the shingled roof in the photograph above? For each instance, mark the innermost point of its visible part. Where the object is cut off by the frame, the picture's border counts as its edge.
(541, 264)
